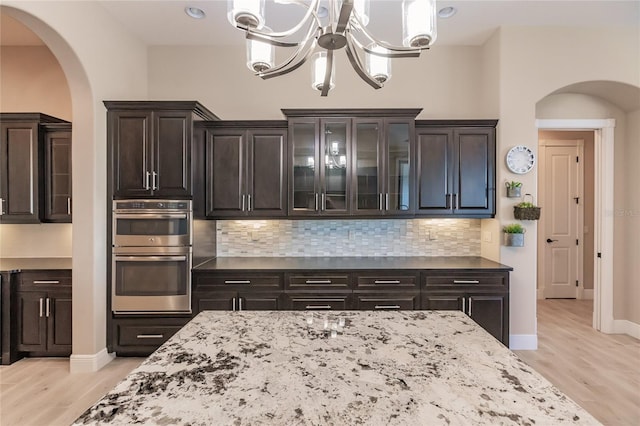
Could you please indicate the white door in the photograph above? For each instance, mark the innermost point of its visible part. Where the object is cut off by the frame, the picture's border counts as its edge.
(562, 221)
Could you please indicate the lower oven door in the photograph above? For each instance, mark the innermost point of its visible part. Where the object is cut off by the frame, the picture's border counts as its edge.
(151, 280)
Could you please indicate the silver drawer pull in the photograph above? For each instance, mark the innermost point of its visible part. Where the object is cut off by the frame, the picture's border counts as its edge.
(41, 307)
(387, 307)
(466, 282)
(318, 281)
(150, 336)
(237, 281)
(318, 307)
(46, 282)
(386, 282)
(48, 304)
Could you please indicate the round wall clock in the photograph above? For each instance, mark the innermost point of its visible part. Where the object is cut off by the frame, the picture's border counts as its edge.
(520, 159)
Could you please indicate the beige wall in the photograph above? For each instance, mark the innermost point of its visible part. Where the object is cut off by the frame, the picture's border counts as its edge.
(630, 218)
(444, 81)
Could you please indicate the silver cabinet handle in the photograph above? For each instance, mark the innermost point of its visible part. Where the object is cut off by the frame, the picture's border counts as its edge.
(155, 181)
(2, 201)
(380, 202)
(41, 307)
(386, 282)
(387, 307)
(386, 202)
(316, 199)
(237, 281)
(46, 282)
(146, 181)
(447, 201)
(464, 305)
(233, 304)
(239, 303)
(48, 307)
(466, 282)
(69, 206)
(318, 282)
(318, 307)
(323, 205)
(470, 305)
(249, 202)
(150, 336)
(455, 201)
(243, 201)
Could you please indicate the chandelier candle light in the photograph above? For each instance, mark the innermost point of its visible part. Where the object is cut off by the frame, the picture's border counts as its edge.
(339, 24)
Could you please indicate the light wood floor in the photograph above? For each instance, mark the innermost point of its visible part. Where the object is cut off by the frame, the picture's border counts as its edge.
(600, 372)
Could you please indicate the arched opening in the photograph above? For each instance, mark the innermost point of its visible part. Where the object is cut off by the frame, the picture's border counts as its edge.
(88, 324)
(604, 108)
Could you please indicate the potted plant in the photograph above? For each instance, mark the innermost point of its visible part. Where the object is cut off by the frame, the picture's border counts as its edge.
(513, 235)
(526, 210)
(513, 189)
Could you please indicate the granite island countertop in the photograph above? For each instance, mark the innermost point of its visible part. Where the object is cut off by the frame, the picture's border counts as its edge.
(348, 263)
(274, 368)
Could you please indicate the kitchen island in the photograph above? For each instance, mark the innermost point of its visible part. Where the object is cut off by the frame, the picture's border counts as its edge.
(334, 368)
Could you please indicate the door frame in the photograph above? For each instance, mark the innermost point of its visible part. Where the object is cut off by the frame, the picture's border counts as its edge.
(543, 201)
(603, 216)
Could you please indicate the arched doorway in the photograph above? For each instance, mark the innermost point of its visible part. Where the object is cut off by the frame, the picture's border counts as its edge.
(601, 107)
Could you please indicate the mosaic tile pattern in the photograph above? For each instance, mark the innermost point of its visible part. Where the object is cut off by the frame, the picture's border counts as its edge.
(315, 238)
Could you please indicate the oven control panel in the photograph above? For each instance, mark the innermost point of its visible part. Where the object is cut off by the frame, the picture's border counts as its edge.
(152, 205)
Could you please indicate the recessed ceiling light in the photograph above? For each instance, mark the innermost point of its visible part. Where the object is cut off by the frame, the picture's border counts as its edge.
(194, 12)
(447, 12)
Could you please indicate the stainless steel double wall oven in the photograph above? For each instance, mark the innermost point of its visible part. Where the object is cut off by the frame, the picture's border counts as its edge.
(152, 255)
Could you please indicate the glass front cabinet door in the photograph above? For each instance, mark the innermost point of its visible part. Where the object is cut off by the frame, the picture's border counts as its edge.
(383, 167)
(320, 155)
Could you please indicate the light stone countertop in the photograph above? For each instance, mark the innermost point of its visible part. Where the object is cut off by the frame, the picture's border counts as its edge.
(274, 368)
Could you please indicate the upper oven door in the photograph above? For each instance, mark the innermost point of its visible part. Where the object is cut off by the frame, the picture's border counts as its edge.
(151, 229)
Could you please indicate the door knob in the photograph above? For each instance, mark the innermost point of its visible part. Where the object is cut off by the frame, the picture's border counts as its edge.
(549, 240)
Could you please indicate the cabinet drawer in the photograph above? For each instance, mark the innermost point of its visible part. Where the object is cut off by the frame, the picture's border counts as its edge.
(338, 302)
(205, 282)
(333, 281)
(384, 281)
(470, 279)
(145, 335)
(387, 302)
(45, 279)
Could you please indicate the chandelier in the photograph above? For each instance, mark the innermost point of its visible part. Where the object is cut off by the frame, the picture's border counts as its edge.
(331, 25)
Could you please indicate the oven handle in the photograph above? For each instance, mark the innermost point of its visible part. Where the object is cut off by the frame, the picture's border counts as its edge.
(150, 216)
(144, 258)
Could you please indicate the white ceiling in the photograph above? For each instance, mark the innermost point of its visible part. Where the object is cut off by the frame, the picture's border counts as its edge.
(165, 23)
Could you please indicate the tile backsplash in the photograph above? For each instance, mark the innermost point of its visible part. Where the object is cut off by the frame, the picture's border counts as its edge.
(379, 237)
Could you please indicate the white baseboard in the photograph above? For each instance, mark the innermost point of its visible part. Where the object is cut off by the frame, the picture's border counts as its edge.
(626, 327)
(90, 363)
(523, 342)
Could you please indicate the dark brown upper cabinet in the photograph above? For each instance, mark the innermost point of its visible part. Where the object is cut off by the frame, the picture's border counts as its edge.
(150, 147)
(383, 171)
(245, 169)
(57, 168)
(456, 168)
(351, 162)
(21, 166)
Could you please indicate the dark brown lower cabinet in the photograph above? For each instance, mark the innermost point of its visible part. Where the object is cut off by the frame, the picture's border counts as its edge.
(238, 301)
(140, 336)
(484, 296)
(44, 322)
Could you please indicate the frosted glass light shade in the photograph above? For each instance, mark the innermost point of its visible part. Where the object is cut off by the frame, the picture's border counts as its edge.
(260, 55)
(418, 23)
(318, 69)
(378, 67)
(248, 13)
(361, 8)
